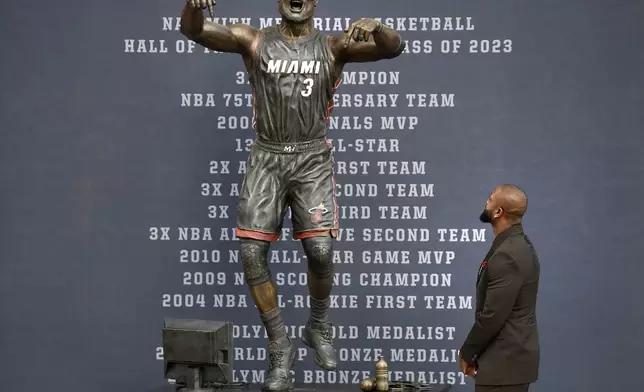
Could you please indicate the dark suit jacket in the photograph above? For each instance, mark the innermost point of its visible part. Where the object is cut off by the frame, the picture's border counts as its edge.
(504, 342)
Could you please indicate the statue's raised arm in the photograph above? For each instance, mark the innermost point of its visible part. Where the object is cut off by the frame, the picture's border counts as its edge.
(237, 38)
(367, 40)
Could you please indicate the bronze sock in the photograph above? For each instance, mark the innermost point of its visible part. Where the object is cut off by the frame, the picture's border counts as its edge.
(275, 326)
(320, 310)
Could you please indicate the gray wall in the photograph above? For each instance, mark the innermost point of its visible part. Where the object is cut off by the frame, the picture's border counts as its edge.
(97, 150)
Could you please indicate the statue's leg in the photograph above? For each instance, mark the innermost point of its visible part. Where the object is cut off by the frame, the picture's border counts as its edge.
(260, 212)
(315, 222)
(319, 252)
(254, 255)
(318, 332)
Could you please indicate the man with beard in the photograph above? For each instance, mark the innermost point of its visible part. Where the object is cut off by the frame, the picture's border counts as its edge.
(294, 71)
(502, 349)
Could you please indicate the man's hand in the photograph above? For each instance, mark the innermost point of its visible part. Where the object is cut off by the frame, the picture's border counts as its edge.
(361, 30)
(467, 369)
(203, 4)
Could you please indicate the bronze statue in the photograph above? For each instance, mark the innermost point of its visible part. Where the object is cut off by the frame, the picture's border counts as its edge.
(294, 71)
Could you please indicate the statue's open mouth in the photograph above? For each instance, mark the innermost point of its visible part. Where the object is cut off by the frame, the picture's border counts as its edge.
(296, 5)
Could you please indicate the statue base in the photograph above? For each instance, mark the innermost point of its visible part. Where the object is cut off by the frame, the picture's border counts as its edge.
(195, 385)
(393, 387)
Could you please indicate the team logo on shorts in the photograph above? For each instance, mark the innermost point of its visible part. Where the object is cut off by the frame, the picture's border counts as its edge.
(317, 212)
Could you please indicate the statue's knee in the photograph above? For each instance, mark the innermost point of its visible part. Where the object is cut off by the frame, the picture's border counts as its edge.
(319, 251)
(254, 255)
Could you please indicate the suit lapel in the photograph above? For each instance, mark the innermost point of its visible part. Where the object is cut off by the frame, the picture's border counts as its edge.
(509, 232)
(483, 264)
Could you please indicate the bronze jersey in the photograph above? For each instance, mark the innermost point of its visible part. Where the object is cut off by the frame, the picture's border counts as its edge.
(293, 84)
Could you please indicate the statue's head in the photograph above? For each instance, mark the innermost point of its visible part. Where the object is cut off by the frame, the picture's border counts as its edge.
(297, 11)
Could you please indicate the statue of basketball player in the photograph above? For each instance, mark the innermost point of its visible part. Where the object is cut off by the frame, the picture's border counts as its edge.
(294, 71)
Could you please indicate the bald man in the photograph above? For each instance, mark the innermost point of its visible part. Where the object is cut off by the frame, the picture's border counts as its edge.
(502, 349)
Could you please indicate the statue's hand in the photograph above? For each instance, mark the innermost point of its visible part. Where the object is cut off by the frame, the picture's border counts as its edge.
(203, 4)
(361, 30)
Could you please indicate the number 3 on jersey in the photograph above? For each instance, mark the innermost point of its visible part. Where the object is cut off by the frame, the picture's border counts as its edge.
(308, 87)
